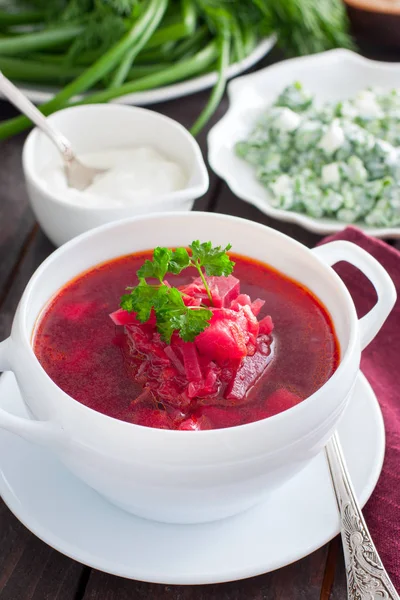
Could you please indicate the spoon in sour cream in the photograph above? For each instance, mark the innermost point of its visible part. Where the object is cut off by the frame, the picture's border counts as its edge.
(78, 175)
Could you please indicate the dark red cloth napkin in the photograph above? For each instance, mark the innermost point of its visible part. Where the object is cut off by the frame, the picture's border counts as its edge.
(381, 365)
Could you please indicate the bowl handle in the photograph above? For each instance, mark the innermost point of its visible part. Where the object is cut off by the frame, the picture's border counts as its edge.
(40, 432)
(371, 323)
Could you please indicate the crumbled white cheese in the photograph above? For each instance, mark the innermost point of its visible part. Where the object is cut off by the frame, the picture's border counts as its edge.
(330, 173)
(287, 120)
(333, 138)
(367, 106)
(348, 110)
(392, 154)
(282, 185)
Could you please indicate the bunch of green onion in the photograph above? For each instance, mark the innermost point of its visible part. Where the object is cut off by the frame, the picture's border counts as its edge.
(108, 48)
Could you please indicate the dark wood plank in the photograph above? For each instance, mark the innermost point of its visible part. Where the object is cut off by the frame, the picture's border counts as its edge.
(299, 581)
(39, 248)
(330, 569)
(339, 588)
(31, 570)
(16, 218)
(229, 204)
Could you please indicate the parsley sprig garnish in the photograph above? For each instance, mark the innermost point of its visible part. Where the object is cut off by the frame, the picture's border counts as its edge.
(167, 302)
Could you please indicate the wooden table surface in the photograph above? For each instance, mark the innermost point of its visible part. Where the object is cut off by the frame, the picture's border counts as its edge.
(31, 570)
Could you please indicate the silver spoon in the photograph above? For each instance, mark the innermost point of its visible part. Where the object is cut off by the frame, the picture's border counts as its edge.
(78, 175)
(366, 576)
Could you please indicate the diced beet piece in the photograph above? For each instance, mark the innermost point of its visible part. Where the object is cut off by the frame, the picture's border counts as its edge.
(252, 323)
(191, 362)
(222, 341)
(223, 290)
(279, 401)
(266, 325)
(245, 300)
(244, 320)
(223, 314)
(174, 359)
(123, 317)
(211, 377)
(205, 387)
(196, 290)
(241, 300)
(190, 301)
(152, 417)
(257, 305)
(248, 373)
(146, 342)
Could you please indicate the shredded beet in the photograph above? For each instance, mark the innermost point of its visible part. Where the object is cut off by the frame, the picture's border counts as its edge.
(202, 380)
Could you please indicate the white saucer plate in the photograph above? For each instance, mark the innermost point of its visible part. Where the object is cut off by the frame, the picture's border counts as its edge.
(39, 94)
(331, 76)
(296, 520)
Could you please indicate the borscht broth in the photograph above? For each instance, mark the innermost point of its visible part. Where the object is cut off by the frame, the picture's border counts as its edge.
(269, 345)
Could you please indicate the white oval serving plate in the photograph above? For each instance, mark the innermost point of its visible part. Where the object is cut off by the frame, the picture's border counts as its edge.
(294, 521)
(330, 76)
(39, 94)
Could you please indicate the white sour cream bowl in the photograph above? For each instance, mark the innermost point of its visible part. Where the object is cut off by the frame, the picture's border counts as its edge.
(110, 129)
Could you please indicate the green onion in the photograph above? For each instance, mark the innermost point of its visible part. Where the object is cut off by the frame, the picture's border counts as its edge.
(218, 91)
(11, 19)
(176, 31)
(31, 71)
(126, 63)
(48, 38)
(182, 70)
(193, 43)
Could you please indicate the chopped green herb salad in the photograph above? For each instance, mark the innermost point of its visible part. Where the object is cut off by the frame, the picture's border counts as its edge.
(337, 160)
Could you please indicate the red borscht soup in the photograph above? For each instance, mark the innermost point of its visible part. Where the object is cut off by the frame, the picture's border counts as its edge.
(269, 344)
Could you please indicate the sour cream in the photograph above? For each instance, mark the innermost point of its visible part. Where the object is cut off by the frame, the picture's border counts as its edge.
(134, 175)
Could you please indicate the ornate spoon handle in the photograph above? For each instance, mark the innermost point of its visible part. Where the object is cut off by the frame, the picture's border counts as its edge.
(366, 576)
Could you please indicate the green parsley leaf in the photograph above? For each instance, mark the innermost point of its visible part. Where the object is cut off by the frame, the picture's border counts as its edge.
(214, 260)
(172, 315)
(192, 322)
(141, 300)
(169, 307)
(158, 267)
(180, 260)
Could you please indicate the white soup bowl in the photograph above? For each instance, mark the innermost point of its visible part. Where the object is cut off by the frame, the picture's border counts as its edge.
(190, 476)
